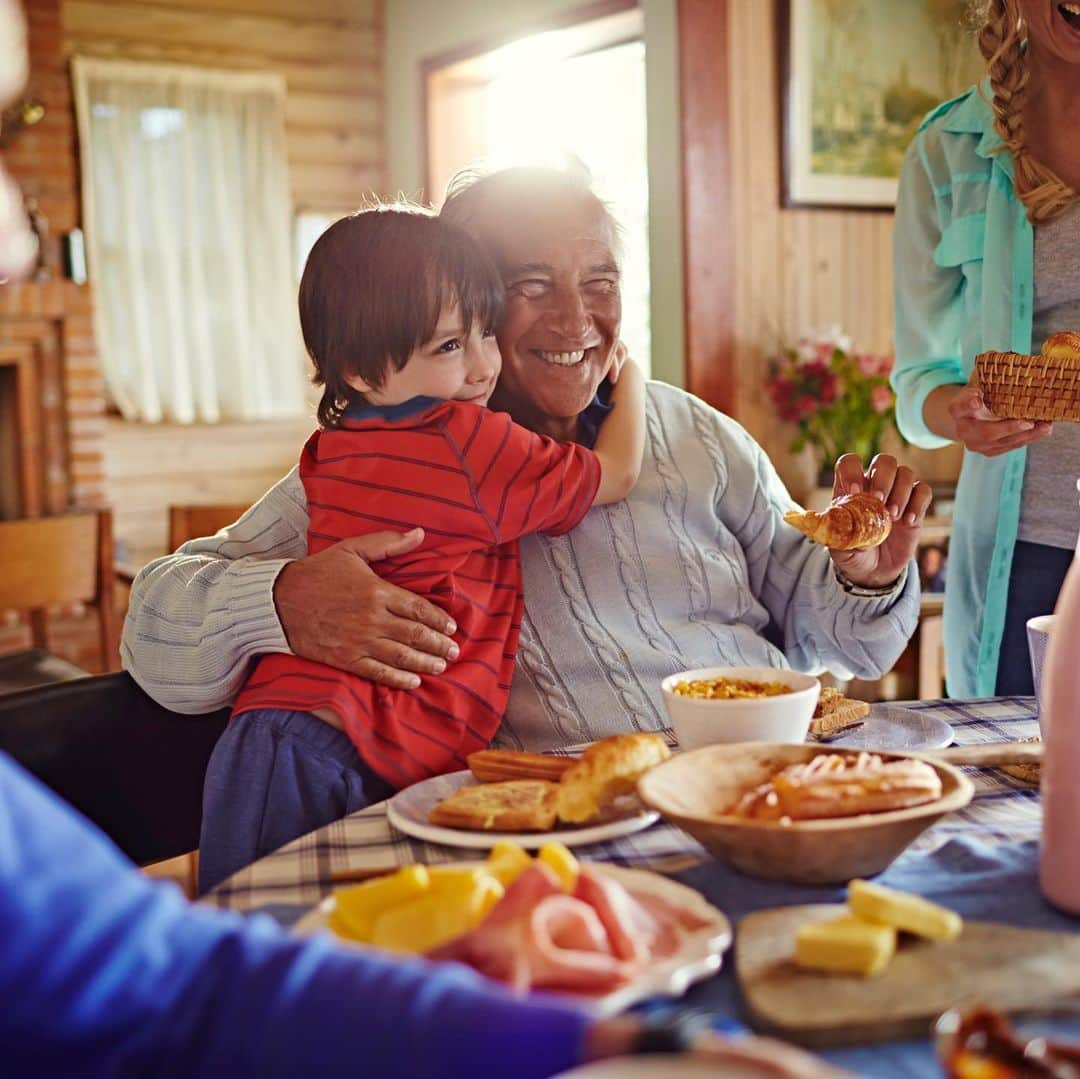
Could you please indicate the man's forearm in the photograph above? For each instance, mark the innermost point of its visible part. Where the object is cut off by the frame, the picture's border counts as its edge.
(198, 617)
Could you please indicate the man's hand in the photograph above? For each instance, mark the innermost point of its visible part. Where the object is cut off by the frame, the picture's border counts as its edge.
(982, 432)
(335, 609)
(907, 501)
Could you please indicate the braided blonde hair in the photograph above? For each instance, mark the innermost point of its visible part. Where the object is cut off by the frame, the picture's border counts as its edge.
(1001, 41)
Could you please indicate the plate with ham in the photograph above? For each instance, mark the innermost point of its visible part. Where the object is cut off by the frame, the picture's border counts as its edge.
(618, 936)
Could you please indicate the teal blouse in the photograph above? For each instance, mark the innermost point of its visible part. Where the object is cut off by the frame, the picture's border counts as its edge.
(964, 283)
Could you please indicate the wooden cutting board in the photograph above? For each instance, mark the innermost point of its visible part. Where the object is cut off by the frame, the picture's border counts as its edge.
(997, 964)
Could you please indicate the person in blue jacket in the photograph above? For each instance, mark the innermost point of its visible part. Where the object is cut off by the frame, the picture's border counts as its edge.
(987, 258)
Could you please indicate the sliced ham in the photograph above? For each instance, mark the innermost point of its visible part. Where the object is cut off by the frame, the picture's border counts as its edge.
(593, 941)
(537, 937)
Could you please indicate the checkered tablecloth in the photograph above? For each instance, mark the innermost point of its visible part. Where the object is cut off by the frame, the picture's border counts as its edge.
(1003, 810)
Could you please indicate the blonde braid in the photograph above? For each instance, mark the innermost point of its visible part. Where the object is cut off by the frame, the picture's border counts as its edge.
(1001, 40)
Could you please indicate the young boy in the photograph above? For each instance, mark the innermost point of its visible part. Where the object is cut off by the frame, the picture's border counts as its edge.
(397, 309)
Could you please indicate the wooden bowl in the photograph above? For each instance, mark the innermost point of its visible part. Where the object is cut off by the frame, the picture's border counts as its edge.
(694, 789)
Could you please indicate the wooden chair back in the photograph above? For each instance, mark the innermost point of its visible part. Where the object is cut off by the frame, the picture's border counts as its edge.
(49, 561)
(191, 522)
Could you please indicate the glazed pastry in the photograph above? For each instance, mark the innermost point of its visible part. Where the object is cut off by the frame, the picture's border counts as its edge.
(835, 785)
(1062, 346)
(849, 523)
(494, 765)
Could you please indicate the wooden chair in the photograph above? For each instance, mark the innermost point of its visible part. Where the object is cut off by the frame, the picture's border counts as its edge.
(191, 522)
(46, 562)
(132, 767)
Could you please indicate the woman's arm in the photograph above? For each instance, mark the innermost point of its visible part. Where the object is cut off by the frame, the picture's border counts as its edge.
(197, 618)
(935, 401)
(621, 440)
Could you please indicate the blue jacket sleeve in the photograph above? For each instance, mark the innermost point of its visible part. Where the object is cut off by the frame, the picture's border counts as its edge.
(105, 972)
(928, 303)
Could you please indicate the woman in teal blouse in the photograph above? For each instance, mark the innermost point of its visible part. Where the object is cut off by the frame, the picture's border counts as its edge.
(987, 256)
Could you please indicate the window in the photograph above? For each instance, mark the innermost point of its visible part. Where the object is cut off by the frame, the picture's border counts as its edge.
(578, 91)
(187, 214)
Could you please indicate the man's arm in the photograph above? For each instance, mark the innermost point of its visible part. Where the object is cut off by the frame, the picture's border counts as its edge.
(825, 622)
(197, 618)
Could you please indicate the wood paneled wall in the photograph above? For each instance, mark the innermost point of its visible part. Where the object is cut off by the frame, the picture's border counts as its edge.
(330, 53)
(796, 270)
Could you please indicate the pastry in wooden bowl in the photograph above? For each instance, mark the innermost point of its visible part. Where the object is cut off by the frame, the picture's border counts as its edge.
(700, 790)
(1043, 387)
(848, 523)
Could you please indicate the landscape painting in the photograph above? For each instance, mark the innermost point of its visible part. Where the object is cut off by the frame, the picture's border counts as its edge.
(859, 77)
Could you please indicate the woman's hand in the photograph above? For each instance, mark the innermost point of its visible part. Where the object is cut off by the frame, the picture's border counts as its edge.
(907, 501)
(962, 415)
(335, 609)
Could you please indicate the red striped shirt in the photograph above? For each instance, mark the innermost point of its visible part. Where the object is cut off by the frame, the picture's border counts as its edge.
(475, 481)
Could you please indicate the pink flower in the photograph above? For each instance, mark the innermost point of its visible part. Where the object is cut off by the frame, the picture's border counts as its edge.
(830, 387)
(868, 364)
(885, 364)
(881, 399)
(805, 406)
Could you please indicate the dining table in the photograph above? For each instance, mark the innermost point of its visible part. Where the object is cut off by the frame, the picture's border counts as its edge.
(981, 860)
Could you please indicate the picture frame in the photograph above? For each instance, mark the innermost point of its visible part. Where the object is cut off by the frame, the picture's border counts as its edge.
(856, 79)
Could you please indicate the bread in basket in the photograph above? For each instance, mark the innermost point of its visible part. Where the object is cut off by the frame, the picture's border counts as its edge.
(1043, 387)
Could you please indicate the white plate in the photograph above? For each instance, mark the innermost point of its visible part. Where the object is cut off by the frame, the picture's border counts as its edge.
(408, 812)
(889, 726)
(699, 957)
(665, 1066)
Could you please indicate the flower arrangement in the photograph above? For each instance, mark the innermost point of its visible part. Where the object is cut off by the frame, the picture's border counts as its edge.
(840, 399)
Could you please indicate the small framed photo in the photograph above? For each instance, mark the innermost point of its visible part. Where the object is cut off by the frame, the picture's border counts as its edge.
(933, 558)
(857, 78)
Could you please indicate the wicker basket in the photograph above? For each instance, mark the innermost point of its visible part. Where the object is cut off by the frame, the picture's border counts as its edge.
(1030, 387)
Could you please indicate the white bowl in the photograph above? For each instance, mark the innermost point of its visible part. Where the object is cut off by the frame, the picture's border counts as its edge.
(783, 718)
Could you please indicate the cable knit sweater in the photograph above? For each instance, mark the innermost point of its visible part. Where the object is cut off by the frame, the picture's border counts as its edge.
(696, 567)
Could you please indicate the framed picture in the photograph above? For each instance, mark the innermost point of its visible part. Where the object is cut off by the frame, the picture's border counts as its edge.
(857, 77)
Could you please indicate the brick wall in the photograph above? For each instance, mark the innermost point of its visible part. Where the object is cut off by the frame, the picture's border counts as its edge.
(54, 317)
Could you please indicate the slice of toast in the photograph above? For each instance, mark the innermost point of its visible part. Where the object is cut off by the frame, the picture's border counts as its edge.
(835, 712)
(518, 805)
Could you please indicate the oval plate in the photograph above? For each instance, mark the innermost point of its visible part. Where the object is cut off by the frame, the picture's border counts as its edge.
(892, 727)
(700, 956)
(408, 812)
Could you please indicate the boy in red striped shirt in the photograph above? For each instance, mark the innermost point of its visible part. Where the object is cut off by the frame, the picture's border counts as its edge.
(398, 309)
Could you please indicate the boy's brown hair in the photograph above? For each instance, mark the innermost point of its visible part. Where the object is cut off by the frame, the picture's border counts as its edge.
(372, 291)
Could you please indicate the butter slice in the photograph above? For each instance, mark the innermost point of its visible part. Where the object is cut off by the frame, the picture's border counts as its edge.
(846, 944)
(909, 913)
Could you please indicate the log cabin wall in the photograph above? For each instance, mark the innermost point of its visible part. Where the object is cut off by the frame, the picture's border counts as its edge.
(330, 53)
(796, 269)
(51, 395)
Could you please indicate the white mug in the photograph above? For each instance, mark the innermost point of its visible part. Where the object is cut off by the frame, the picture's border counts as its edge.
(1038, 631)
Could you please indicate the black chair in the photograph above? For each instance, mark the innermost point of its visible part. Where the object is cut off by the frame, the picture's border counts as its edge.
(132, 767)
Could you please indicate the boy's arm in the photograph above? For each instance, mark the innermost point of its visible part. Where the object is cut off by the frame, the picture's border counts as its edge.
(621, 440)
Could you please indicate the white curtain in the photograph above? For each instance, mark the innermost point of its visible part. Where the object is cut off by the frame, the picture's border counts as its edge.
(187, 214)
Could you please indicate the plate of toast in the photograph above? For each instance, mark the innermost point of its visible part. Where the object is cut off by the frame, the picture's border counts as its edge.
(854, 724)
(532, 798)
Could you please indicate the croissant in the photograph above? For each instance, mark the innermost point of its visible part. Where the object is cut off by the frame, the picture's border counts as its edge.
(849, 523)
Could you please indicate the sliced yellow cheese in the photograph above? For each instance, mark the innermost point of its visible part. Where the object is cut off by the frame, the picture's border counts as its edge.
(507, 861)
(565, 866)
(845, 944)
(909, 913)
(436, 917)
(357, 907)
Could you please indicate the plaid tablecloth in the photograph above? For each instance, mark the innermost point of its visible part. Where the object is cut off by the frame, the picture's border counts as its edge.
(1003, 810)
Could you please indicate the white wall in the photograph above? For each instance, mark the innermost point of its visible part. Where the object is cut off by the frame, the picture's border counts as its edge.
(417, 29)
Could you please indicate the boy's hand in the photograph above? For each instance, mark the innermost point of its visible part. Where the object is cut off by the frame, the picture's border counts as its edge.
(335, 609)
(619, 355)
(907, 500)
